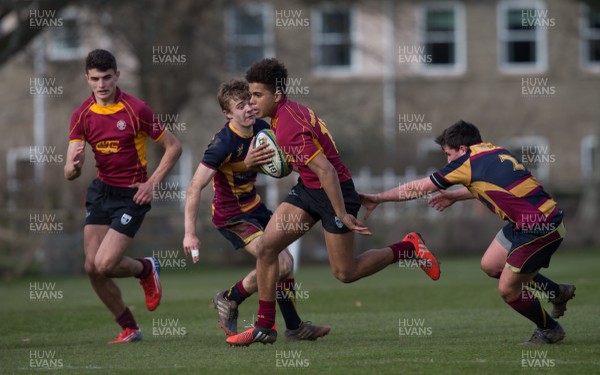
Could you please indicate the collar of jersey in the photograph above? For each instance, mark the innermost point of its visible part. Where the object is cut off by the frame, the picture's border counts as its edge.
(279, 105)
(107, 109)
(233, 129)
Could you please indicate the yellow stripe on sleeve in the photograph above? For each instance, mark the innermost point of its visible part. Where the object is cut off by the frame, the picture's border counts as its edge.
(547, 207)
(461, 175)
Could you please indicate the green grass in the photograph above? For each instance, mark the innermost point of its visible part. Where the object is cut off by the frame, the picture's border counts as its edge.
(471, 330)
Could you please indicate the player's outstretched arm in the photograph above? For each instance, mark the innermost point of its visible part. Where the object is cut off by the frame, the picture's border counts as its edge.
(331, 184)
(446, 198)
(201, 178)
(75, 159)
(415, 189)
(172, 153)
(408, 191)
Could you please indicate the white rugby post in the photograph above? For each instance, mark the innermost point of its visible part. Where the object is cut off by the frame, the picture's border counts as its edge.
(39, 107)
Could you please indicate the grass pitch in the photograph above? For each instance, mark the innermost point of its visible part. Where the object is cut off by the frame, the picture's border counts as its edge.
(395, 322)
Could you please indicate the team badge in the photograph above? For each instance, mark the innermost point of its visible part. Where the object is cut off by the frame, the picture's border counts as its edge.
(239, 151)
(125, 219)
(121, 125)
(338, 222)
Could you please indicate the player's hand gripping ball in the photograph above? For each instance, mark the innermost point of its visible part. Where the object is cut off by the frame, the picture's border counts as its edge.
(278, 166)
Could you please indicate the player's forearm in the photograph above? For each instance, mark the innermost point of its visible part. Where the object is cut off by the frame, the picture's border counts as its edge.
(193, 196)
(71, 172)
(331, 184)
(391, 195)
(75, 160)
(408, 191)
(192, 205)
(460, 194)
(170, 157)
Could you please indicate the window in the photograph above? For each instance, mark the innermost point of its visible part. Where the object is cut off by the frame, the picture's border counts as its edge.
(534, 153)
(522, 44)
(590, 35)
(589, 149)
(65, 41)
(333, 39)
(249, 35)
(442, 33)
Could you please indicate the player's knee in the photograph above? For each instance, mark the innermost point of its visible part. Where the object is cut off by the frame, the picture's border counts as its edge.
(491, 270)
(266, 253)
(493, 273)
(90, 268)
(344, 276)
(103, 268)
(508, 293)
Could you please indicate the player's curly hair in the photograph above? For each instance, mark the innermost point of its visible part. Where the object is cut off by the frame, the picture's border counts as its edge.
(270, 72)
(459, 134)
(101, 60)
(235, 89)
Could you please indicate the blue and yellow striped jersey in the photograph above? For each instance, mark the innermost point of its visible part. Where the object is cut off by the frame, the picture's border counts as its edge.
(499, 180)
(233, 183)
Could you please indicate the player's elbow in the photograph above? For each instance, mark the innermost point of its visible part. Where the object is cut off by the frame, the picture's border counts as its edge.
(325, 171)
(179, 149)
(193, 187)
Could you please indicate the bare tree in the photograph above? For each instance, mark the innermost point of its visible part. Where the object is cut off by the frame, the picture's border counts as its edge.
(19, 36)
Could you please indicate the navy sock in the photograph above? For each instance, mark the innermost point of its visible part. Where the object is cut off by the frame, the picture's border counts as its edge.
(529, 306)
(544, 284)
(286, 299)
(237, 293)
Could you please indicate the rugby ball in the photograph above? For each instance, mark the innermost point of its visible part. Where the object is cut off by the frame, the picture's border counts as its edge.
(278, 166)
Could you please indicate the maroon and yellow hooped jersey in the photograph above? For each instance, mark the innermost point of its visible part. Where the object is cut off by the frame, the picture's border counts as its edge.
(117, 134)
(301, 135)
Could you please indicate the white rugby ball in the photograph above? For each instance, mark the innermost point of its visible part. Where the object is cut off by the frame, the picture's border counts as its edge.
(278, 166)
